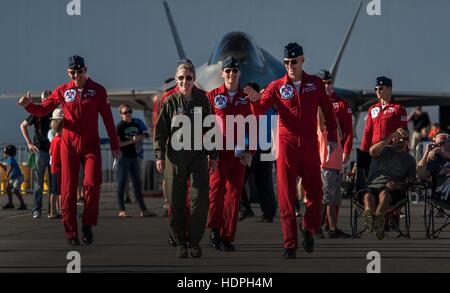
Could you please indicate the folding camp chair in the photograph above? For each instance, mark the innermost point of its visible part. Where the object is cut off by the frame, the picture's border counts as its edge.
(432, 205)
(363, 160)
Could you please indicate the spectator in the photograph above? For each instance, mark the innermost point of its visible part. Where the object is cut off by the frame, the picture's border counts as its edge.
(39, 146)
(436, 163)
(262, 173)
(435, 129)
(390, 169)
(14, 178)
(420, 120)
(331, 177)
(129, 133)
(424, 137)
(140, 156)
(55, 164)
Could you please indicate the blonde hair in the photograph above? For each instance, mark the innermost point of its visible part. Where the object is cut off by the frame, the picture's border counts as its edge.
(123, 106)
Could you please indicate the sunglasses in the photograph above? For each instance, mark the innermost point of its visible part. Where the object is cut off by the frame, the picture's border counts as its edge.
(378, 89)
(327, 81)
(229, 70)
(80, 71)
(293, 62)
(404, 139)
(188, 78)
(127, 112)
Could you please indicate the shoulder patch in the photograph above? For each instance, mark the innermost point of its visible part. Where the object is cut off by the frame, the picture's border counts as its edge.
(287, 91)
(70, 95)
(374, 112)
(220, 101)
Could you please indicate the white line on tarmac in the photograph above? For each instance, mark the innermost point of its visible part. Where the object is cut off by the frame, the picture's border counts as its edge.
(18, 216)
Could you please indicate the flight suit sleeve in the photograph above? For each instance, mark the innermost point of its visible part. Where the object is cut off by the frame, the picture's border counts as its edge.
(162, 132)
(108, 121)
(47, 106)
(328, 113)
(367, 136)
(346, 123)
(266, 101)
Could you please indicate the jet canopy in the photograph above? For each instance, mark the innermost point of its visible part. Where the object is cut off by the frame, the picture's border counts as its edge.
(240, 46)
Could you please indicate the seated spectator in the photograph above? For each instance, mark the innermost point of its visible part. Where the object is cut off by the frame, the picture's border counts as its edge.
(435, 129)
(391, 167)
(424, 135)
(436, 162)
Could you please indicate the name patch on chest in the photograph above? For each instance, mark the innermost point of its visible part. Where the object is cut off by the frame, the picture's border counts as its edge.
(309, 87)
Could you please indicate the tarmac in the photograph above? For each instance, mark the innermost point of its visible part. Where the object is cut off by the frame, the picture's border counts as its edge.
(138, 244)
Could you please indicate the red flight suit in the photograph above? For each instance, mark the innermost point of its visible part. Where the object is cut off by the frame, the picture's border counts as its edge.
(343, 114)
(382, 122)
(298, 152)
(80, 141)
(227, 181)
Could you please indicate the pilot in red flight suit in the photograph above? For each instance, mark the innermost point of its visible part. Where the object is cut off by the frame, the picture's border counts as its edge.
(82, 100)
(227, 181)
(297, 96)
(384, 117)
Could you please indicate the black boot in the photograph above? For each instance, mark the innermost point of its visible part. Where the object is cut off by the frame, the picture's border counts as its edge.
(308, 240)
(228, 246)
(289, 253)
(214, 239)
(88, 237)
(182, 251)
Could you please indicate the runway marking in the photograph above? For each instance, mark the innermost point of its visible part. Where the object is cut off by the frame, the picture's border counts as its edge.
(18, 216)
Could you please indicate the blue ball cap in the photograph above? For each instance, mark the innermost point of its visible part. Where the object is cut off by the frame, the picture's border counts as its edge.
(76, 62)
(383, 80)
(230, 62)
(293, 50)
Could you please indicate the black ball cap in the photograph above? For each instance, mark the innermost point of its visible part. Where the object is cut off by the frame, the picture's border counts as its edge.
(293, 50)
(324, 74)
(253, 85)
(383, 80)
(75, 62)
(230, 62)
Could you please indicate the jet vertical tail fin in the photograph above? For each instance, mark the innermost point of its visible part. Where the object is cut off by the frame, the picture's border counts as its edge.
(335, 66)
(174, 31)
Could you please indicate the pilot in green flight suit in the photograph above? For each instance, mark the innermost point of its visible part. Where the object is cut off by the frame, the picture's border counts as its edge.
(179, 166)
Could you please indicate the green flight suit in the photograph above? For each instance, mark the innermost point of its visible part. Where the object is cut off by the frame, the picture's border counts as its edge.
(184, 165)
